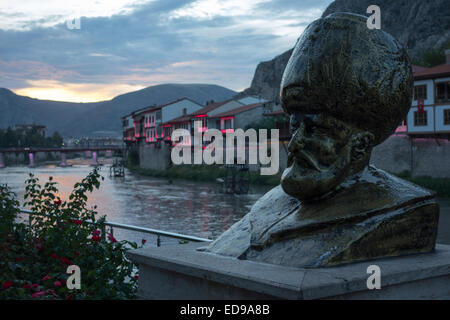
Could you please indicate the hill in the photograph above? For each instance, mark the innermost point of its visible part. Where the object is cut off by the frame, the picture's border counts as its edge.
(87, 119)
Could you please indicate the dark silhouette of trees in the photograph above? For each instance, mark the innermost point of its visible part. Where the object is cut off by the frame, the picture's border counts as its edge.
(10, 138)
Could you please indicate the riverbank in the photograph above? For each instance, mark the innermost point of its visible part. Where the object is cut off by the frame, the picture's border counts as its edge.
(439, 185)
(211, 173)
(206, 173)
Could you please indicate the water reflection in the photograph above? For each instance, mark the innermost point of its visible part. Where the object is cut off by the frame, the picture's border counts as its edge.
(192, 208)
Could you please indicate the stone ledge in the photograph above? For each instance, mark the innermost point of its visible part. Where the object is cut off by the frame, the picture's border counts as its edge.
(181, 272)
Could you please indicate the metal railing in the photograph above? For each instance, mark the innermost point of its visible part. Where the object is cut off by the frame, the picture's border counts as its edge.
(158, 233)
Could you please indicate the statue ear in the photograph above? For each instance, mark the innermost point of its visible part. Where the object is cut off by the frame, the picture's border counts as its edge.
(362, 144)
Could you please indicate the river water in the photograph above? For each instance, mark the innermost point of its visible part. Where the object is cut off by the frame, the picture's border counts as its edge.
(192, 208)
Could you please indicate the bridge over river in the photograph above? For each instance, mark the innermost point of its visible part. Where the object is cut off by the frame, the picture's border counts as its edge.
(31, 152)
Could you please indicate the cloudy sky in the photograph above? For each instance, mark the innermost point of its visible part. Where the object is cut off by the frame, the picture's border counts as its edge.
(126, 45)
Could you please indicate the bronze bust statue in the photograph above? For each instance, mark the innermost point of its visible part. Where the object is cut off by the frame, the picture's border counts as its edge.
(346, 88)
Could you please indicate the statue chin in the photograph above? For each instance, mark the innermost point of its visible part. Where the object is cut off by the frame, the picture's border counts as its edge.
(308, 184)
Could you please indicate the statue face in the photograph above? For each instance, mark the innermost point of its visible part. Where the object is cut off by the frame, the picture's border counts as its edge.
(322, 153)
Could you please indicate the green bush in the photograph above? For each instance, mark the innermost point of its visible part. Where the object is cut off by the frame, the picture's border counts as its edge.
(34, 256)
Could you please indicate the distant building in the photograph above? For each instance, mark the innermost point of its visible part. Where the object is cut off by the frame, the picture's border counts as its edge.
(24, 128)
(147, 122)
(238, 118)
(432, 86)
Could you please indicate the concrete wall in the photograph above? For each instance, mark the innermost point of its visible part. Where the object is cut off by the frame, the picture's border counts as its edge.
(242, 119)
(152, 157)
(420, 156)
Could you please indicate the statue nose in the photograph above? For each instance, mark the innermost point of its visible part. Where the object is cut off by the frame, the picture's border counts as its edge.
(297, 140)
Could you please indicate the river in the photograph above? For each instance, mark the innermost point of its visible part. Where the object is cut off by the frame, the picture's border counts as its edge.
(192, 208)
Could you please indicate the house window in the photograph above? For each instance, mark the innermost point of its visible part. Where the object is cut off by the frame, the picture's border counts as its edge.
(227, 124)
(420, 119)
(420, 92)
(447, 117)
(443, 92)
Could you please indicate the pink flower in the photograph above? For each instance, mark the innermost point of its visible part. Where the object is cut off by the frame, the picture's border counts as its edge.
(57, 283)
(38, 294)
(111, 237)
(47, 277)
(27, 286)
(7, 284)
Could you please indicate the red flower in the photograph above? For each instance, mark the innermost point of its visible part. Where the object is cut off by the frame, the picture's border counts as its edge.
(69, 297)
(76, 221)
(19, 259)
(136, 277)
(39, 247)
(143, 241)
(57, 283)
(58, 202)
(27, 286)
(47, 277)
(38, 294)
(96, 238)
(96, 232)
(54, 256)
(111, 237)
(65, 261)
(7, 284)
(77, 253)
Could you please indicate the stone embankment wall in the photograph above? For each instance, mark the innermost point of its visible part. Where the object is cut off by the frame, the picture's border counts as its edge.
(419, 156)
(154, 156)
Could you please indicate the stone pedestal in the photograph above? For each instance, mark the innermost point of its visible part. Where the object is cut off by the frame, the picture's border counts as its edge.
(182, 272)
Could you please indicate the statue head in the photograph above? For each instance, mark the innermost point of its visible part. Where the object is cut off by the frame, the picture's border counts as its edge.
(346, 88)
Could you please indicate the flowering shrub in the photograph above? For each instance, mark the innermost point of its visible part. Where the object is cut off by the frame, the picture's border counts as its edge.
(34, 256)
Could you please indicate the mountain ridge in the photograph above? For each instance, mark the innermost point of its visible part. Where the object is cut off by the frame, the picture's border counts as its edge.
(85, 119)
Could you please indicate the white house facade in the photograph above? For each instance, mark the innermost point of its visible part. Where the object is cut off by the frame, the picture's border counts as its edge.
(432, 86)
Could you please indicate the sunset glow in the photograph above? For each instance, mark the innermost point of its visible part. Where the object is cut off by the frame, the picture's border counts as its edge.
(74, 92)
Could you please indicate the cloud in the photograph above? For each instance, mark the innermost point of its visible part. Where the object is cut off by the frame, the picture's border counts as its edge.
(73, 92)
(141, 43)
(28, 14)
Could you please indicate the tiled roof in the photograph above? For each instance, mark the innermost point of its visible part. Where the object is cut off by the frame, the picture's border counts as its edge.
(154, 108)
(184, 118)
(237, 110)
(210, 107)
(276, 113)
(442, 70)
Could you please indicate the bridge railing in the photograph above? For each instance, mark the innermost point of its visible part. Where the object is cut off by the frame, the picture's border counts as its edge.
(158, 233)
